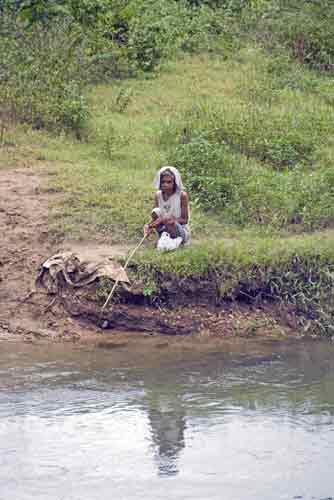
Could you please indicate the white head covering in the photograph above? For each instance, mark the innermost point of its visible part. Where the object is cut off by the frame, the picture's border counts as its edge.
(175, 172)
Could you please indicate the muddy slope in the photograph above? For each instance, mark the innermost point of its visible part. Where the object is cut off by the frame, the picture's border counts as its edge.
(24, 209)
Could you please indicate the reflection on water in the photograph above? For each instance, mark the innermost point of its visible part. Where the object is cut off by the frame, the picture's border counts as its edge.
(167, 419)
(250, 422)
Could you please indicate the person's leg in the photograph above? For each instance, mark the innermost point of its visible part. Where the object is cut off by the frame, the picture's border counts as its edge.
(181, 232)
(177, 230)
(174, 230)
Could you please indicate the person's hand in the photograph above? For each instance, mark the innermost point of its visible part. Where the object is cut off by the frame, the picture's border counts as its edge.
(147, 230)
(156, 222)
(169, 220)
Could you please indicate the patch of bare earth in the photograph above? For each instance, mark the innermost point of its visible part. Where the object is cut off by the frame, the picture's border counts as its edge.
(24, 245)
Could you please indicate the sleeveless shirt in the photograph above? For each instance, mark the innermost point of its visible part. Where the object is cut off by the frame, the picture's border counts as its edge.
(172, 207)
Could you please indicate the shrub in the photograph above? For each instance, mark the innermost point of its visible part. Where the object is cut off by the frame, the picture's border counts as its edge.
(158, 29)
(207, 171)
(206, 30)
(42, 76)
(243, 192)
(305, 28)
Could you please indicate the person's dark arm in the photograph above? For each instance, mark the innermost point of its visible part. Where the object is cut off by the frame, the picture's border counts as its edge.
(184, 209)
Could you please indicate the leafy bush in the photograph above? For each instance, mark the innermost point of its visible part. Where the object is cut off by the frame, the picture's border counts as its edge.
(153, 34)
(233, 5)
(85, 12)
(306, 28)
(207, 171)
(206, 29)
(244, 193)
(157, 29)
(42, 76)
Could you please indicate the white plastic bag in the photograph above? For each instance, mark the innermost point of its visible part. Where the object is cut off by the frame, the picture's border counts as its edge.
(166, 243)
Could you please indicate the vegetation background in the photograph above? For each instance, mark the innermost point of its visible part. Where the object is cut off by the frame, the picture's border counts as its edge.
(238, 94)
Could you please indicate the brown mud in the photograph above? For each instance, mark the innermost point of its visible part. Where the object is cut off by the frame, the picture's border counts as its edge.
(26, 243)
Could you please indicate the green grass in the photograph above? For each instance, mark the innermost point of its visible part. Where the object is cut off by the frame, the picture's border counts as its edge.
(107, 181)
(270, 125)
(268, 121)
(295, 272)
(275, 139)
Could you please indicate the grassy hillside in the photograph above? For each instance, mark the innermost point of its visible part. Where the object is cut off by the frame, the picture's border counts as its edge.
(256, 151)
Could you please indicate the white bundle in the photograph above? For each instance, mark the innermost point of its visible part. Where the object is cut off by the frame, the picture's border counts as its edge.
(167, 243)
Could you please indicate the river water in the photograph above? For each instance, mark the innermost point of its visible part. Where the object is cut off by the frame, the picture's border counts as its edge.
(249, 421)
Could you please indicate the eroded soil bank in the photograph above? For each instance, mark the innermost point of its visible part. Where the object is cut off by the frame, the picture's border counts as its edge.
(24, 209)
(26, 243)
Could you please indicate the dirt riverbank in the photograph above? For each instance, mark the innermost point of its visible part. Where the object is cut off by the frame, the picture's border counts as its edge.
(24, 209)
(26, 243)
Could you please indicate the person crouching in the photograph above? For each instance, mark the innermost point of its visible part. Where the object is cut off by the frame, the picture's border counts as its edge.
(171, 206)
